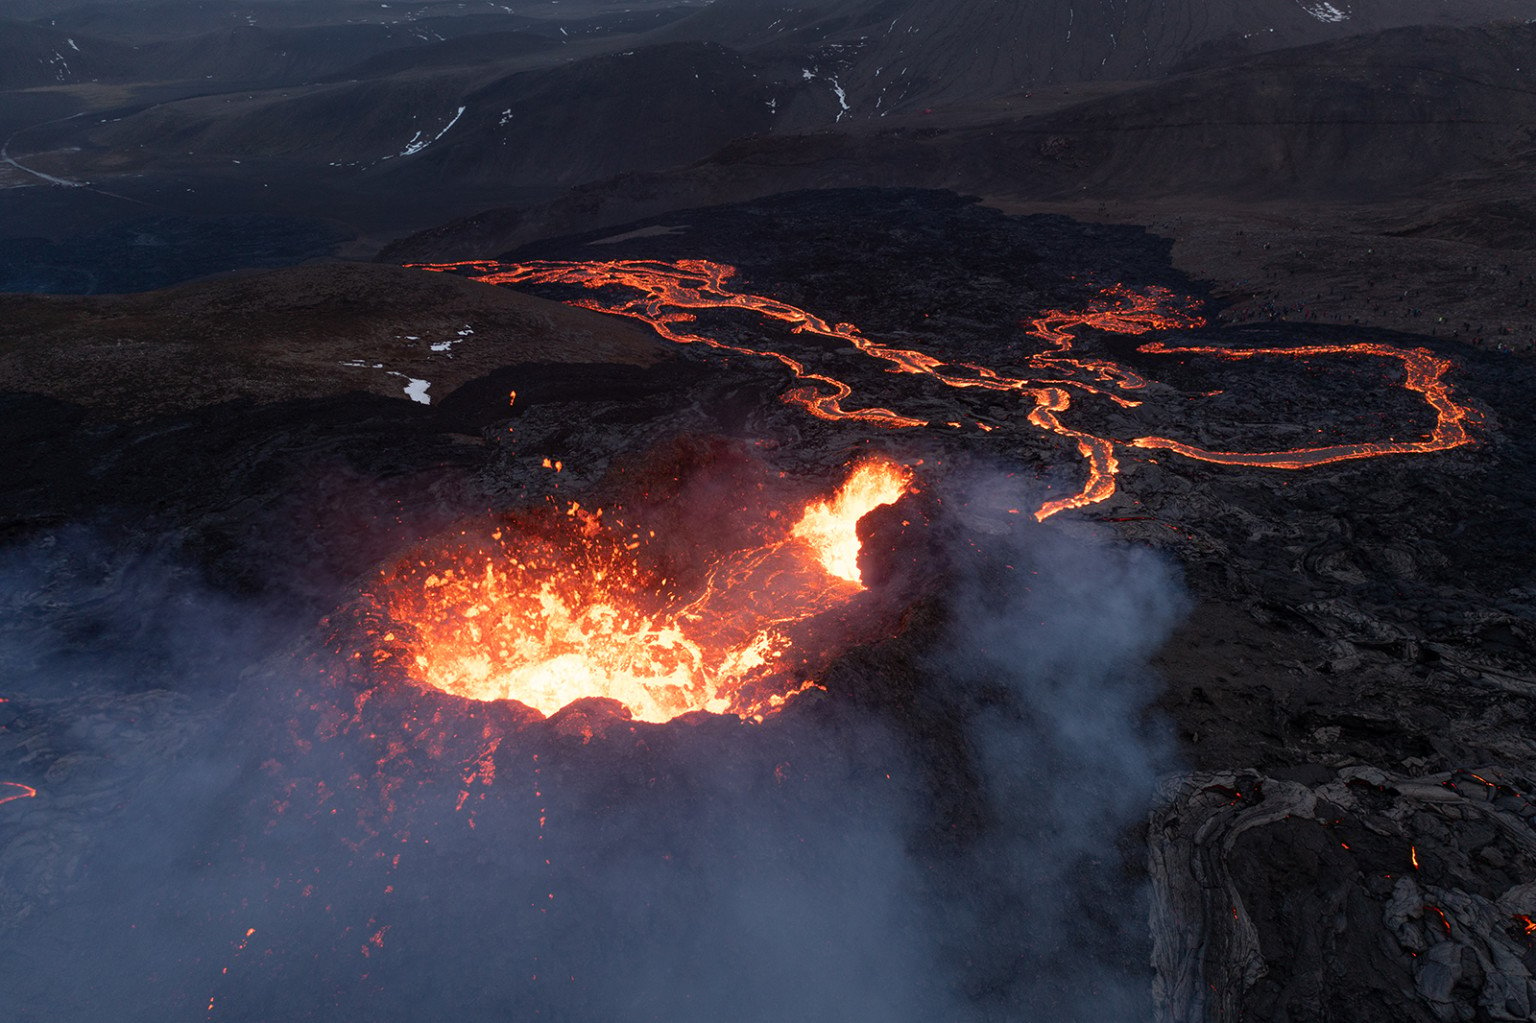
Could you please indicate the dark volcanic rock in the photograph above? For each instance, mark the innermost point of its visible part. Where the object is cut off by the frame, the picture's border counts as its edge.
(1360, 636)
(1360, 894)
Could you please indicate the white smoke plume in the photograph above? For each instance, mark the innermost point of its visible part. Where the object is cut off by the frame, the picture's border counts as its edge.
(968, 853)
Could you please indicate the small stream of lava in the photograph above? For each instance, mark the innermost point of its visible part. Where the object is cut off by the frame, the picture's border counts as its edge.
(550, 614)
(669, 295)
(10, 791)
(13, 790)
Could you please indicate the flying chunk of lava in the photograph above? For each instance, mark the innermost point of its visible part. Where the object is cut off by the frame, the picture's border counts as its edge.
(545, 617)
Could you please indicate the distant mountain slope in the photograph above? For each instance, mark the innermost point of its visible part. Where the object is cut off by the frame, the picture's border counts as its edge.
(642, 109)
(1361, 118)
(250, 54)
(653, 107)
(872, 57)
(32, 56)
(152, 20)
(460, 51)
(1373, 117)
(244, 55)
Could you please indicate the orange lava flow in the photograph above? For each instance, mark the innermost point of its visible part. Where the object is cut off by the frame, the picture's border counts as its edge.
(1425, 376)
(549, 617)
(24, 792)
(668, 295)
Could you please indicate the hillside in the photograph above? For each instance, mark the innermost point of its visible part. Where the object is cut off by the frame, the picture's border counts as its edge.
(1367, 116)
(32, 56)
(550, 125)
(872, 58)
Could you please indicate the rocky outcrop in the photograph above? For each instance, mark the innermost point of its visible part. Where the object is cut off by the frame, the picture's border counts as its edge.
(1411, 895)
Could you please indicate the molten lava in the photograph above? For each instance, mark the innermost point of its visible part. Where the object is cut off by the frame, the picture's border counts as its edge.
(549, 616)
(669, 295)
(829, 528)
(21, 791)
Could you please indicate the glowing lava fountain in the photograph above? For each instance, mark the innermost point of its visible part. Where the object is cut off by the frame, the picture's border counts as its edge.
(670, 295)
(548, 615)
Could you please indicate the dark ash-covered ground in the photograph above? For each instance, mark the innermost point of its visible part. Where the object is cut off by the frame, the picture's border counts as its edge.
(1307, 661)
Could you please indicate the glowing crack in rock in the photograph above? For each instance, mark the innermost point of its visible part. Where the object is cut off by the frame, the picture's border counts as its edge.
(668, 296)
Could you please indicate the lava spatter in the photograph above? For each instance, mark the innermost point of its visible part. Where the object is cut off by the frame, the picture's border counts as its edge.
(669, 295)
(829, 528)
(548, 615)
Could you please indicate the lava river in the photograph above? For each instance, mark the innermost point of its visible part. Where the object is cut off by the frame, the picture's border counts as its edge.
(670, 296)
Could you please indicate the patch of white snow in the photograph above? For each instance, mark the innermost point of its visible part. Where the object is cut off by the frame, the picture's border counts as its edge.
(1326, 12)
(416, 390)
(417, 143)
(447, 346)
(842, 98)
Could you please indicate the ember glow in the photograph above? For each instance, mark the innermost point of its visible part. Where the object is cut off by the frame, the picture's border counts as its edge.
(550, 615)
(668, 296)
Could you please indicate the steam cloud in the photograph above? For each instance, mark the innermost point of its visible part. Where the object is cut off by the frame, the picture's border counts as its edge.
(960, 860)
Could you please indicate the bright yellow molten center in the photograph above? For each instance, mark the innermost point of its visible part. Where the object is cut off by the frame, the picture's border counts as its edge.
(551, 621)
(830, 528)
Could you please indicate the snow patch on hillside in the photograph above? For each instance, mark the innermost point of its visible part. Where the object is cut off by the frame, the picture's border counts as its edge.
(810, 75)
(447, 346)
(1324, 11)
(416, 390)
(417, 143)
